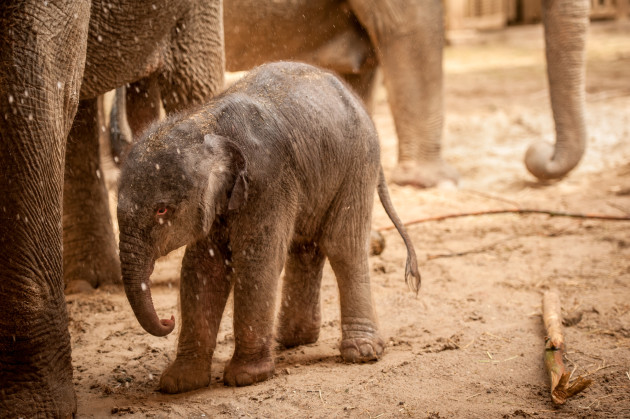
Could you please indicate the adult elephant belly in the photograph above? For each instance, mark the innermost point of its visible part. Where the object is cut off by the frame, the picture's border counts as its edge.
(323, 32)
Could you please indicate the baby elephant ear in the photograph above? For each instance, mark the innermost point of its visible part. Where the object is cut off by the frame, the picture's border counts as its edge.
(238, 166)
(238, 196)
(239, 192)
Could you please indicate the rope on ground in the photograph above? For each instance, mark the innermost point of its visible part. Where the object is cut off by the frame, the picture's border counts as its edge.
(512, 211)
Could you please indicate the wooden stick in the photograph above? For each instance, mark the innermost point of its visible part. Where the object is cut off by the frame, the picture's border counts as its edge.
(554, 352)
(512, 211)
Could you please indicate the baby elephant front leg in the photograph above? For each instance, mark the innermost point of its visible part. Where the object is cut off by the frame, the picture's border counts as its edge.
(252, 361)
(255, 284)
(204, 291)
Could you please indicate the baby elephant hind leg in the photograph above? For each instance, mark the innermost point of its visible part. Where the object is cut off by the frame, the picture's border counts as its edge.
(300, 316)
(205, 287)
(347, 251)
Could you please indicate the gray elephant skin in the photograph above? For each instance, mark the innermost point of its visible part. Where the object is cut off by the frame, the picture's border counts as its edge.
(405, 38)
(56, 58)
(278, 171)
(55, 53)
(353, 38)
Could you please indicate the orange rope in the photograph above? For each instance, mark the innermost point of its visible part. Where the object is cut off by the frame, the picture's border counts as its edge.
(511, 211)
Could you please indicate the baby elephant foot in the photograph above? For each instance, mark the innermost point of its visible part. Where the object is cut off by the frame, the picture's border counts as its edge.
(362, 348)
(185, 375)
(299, 327)
(296, 336)
(244, 372)
(377, 243)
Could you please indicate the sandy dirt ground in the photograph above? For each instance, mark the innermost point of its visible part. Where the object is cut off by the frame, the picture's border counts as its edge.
(471, 343)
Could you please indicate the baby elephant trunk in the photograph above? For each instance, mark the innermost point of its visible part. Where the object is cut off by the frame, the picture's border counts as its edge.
(137, 266)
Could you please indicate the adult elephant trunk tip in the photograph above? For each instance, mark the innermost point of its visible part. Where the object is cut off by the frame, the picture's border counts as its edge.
(547, 163)
(139, 296)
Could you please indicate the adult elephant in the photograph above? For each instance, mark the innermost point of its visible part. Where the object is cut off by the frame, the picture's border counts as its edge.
(404, 37)
(352, 38)
(57, 57)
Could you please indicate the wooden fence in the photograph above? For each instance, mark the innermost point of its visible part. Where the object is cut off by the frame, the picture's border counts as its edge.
(496, 14)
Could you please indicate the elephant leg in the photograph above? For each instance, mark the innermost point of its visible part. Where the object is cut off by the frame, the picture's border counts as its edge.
(408, 38)
(142, 101)
(300, 314)
(360, 340)
(345, 243)
(257, 265)
(135, 107)
(39, 81)
(566, 25)
(120, 137)
(195, 72)
(205, 287)
(364, 84)
(89, 252)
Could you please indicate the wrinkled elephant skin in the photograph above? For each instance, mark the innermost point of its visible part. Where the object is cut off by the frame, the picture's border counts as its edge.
(405, 38)
(277, 172)
(57, 57)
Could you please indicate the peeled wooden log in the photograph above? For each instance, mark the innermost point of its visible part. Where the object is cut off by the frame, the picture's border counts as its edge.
(561, 389)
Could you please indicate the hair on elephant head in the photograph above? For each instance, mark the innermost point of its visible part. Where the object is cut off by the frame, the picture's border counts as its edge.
(278, 172)
(180, 182)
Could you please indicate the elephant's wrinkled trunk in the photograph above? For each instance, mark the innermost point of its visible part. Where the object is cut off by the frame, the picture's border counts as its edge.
(137, 266)
(546, 162)
(566, 24)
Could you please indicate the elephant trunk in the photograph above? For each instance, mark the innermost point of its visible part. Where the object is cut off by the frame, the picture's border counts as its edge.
(546, 162)
(566, 25)
(137, 266)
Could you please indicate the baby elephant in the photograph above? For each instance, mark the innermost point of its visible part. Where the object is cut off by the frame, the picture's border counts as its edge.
(277, 172)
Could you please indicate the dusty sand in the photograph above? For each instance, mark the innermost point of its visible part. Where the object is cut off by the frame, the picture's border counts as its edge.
(471, 343)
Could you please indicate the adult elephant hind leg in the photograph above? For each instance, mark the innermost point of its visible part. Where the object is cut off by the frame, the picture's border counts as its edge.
(364, 84)
(120, 137)
(205, 286)
(408, 38)
(300, 312)
(142, 102)
(90, 258)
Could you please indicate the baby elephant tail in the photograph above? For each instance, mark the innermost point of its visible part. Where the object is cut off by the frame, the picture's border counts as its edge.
(411, 269)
